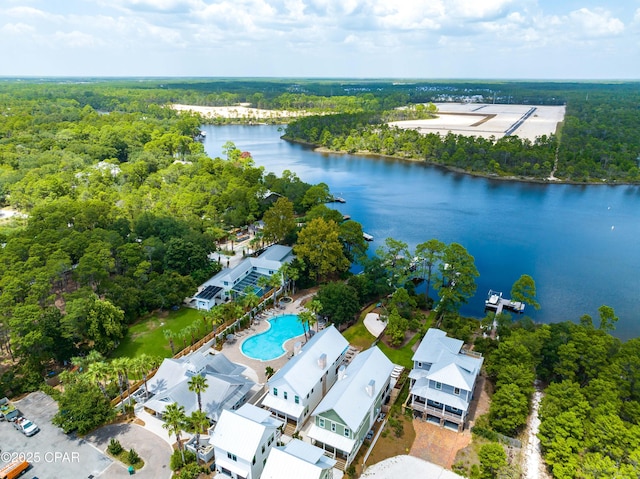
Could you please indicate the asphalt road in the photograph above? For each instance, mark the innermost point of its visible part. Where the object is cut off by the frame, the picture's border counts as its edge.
(52, 454)
(55, 455)
(153, 450)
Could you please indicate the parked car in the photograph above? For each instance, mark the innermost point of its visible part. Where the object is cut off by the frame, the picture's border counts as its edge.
(25, 426)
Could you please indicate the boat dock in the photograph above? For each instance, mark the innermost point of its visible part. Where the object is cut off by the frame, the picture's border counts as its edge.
(496, 302)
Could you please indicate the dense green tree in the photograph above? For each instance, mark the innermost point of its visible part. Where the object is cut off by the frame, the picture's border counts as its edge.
(395, 258)
(509, 409)
(279, 221)
(524, 290)
(339, 302)
(428, 255)
(492, 458)
(456, 281)
(82, 408)
(316, 195)
(396, 327)
(320, 247)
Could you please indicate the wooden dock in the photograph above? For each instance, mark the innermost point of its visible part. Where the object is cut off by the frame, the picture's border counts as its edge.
(496, 302)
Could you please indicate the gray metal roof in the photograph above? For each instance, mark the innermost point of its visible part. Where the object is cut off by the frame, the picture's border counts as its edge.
(226, 387)
(349, 397)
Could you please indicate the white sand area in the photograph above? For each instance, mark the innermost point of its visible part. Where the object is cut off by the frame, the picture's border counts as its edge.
(238, 111)
(407, 467)
(373, 324)
(487, 120)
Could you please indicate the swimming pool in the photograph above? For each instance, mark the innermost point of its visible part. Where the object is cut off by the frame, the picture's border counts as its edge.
(270, 344)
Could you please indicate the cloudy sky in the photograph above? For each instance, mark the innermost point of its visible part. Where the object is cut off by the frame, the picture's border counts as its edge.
(538, 39)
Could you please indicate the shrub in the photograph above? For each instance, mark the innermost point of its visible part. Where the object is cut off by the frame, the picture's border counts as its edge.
(486, 433)
(190, 471)
(114, 447)
(133, 457)
(176, 463)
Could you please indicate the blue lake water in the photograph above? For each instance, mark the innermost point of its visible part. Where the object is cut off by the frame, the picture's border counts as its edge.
(581, 244)
(270, 344)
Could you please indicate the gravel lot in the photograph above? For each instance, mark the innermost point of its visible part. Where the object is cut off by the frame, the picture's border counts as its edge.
(50, 451)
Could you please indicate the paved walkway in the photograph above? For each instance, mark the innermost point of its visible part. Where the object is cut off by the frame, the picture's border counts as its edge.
(154, 425)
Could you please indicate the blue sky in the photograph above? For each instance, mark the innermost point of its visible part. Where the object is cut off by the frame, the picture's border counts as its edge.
(511, 39)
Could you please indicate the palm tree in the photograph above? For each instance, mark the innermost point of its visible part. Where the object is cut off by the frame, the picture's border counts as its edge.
(305, 318)
(169, 335)
(83, 362)
(122, 366)
(100, 372)
(215, 315)
(315, 307)
(198, 423)
(251, 299)
(198, 384)
(174, 421)
(143, 364)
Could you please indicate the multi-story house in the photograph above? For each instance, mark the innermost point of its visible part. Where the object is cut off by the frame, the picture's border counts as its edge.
(242, 441)
(227, 386)
(231, 282)
(349, 410)
(298, 460)
(297, 388)
(443, 380)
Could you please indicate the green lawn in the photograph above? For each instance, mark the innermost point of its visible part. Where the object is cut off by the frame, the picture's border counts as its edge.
(147, 335)
(359, 336)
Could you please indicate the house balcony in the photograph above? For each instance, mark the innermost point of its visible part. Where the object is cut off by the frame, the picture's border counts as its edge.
(203, 449)
(439, 412)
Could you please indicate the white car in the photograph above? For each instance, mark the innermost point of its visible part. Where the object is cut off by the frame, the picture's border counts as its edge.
(25, 426)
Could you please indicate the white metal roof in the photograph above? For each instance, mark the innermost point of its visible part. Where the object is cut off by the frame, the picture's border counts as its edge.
(277, 403)
(241, 435)
(453, 375)
(349, 397)
(302, 372)
(448, 364)
(433, 344)
(296, 460)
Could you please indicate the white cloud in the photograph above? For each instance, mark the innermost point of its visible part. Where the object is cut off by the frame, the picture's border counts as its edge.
(595, 23)
(288, 33)
(76, 39)
(17, 29)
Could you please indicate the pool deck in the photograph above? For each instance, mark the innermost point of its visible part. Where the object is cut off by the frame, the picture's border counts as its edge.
(234, 353)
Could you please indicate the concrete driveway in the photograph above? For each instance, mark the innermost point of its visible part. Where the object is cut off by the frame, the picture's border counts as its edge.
(154, 451)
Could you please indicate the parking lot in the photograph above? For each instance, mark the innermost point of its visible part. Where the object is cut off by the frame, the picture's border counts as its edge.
(52, 453)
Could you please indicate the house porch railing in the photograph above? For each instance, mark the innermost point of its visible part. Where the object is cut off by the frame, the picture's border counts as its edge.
(434, 411)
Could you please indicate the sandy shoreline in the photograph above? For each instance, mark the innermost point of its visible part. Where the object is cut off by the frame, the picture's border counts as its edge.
(237, 112)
